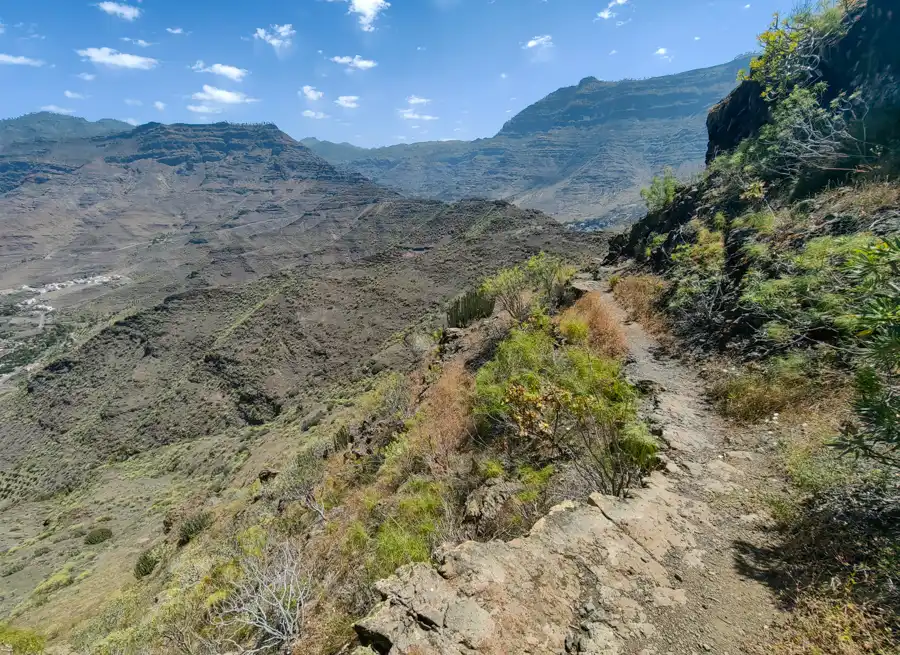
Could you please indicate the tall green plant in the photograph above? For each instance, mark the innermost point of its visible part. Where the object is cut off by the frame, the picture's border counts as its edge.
(508, 288)
(661, 191)
(791, 47)
(876, 433)
(549, 275)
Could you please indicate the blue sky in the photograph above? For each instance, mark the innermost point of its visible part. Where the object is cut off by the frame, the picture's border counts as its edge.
(370, 72)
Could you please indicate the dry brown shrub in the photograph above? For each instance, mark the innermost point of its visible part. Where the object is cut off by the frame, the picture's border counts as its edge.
(605, 333)
(639, 294)
(447, 424)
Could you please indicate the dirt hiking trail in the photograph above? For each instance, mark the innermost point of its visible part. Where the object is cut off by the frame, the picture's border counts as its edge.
(660, 573)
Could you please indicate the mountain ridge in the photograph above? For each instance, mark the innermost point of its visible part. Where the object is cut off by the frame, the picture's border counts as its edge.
(556, 154)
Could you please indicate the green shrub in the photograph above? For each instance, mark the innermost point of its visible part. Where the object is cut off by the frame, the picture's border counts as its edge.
(410, 530)
(574, 329)
(661, 191)
(469, 307)
(62, 578)
(875, 271)
(22, 641)
(508, 287)
(192, 526)
(549, 275)
(12, 569)
(97, 536)
(492, 468)
(790, 47)
(146, 563)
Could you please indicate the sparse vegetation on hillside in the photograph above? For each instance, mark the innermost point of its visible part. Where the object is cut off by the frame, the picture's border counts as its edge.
(397, 471)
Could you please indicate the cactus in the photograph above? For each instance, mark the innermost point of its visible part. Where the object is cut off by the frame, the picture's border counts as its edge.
(469, 307)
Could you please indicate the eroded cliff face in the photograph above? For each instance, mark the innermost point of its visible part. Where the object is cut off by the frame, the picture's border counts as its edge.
(867, 57)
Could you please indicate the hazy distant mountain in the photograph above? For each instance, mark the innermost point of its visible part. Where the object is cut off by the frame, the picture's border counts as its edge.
(581, 154)
(47, 126)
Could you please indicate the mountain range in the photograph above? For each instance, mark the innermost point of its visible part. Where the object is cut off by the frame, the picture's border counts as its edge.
(222, 271)
(580, 154)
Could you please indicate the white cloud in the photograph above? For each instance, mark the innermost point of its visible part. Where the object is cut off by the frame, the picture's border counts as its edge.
(132, 122)
(608, 13)
(160, 106)
(311, 93)
(72, 95)
(696, 38)
(356, 62)
(116, 59)
(416, 100)
(212, 94)
(410, 114)
(133, 103)
(544, 41)
(175, 30)
(613, 52)
(420, 48)
(57, 110)
(348, 102)
(314, 114)
(746, 6)
(503, 76)
(231, 72)
(20, 61)
(279, 38)
(125, 12)
(87, 77)
(204, 109)
(663, 53)
(137, 42)
(367, 10)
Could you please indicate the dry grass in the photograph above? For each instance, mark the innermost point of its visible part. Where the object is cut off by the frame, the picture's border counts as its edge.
(605, 334)
(829, 627)
(640, 294)
(863, 199)
(448, 425)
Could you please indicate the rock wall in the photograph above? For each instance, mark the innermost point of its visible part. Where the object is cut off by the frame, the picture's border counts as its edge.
(869, 56)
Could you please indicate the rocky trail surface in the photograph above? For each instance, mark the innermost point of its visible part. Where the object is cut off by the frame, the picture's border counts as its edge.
(660, 573)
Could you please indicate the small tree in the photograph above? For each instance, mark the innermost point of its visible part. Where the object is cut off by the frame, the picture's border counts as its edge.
(508, 287)
(661, 191)
(549, 275)
(804, 135)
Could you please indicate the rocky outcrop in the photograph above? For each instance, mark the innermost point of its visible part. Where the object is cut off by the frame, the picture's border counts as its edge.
(867, 56)
(735, 118)
(598, 566)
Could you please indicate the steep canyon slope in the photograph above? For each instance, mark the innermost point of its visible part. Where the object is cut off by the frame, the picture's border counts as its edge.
(580, 154)
(248, 274)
